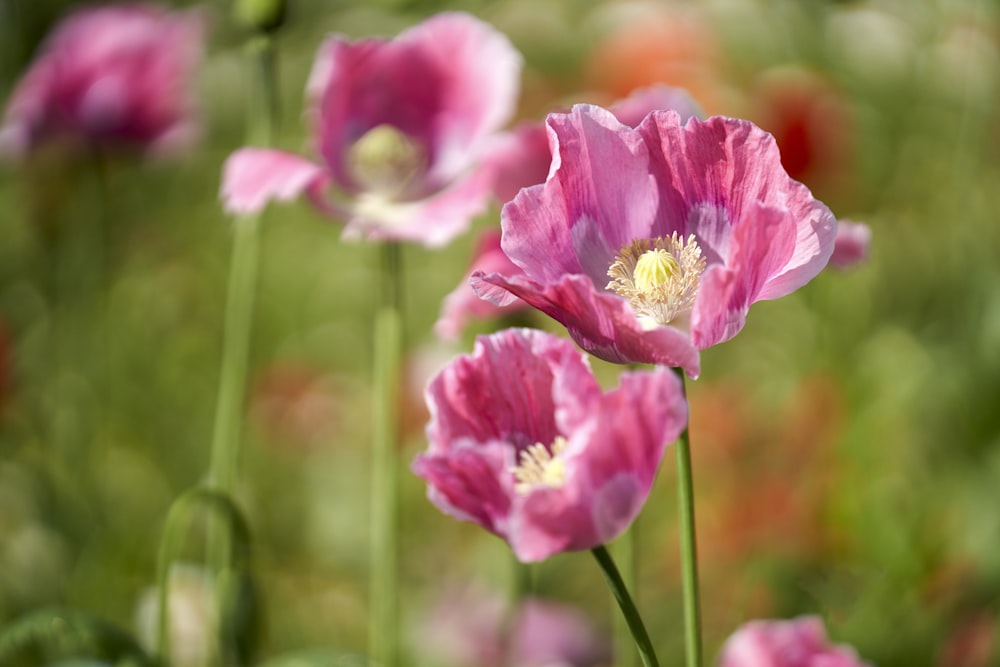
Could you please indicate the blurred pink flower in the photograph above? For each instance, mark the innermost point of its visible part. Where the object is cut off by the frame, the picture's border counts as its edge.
(462, 304)
(692, 224)
(522, 157)
(400, 126)
(852, 244)
(524, 442)
(473, 626)
(800, 642)
(110, 76)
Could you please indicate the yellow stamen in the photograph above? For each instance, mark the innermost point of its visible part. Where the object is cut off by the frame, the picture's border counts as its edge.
(659, 277)
(385, 160)
(541, 466)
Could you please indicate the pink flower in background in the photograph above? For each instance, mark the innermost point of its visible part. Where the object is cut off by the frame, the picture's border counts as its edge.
(522, 157)
(524, 442)
(474, 626)
(852, 244)
(109, 76)
(399, 126)
(462, 304)
(650, 244)
(800, 642)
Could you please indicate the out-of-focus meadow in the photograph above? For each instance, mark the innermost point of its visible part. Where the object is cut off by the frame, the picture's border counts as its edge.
(846, 444)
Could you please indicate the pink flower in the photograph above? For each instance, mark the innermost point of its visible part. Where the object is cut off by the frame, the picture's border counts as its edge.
(800, 642)
(524, 442)
(474, 626)
(462, 304)
(852, 244)
(522, 157)
(400, 126)
(109, 76)
(650, 244)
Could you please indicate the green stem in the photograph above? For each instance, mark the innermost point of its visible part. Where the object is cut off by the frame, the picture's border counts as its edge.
(627, 606)
(242, 284)
(689, 548)
(225, 448)
(384, 583)
(625, 553)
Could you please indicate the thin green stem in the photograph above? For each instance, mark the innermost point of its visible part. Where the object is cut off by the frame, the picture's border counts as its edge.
(689, 548)
(384, 583)
(624, 549)
(242, 284)
(627, 606)
(238, 324)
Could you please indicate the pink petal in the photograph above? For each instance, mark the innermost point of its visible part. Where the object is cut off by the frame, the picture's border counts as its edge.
(465, 483)
(509, 375)
(462, 305)
(519, 159)
(852, 245)
(433, 221)
(732, 166)
(252, 177)
(642, 101)
(759, 247)
(601, 323)
(598, 197)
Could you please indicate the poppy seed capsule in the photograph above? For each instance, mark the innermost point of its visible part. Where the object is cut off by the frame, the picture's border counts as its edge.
(265, 15)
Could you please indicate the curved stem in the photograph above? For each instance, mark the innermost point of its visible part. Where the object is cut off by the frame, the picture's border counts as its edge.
(689, 549)
(625, 551)
(384, 583)
(627, 606)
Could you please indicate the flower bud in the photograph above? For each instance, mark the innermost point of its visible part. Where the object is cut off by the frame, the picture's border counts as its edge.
(265, 15)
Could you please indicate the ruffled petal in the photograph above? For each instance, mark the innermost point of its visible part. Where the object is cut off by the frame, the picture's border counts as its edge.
(504, 390)
(599, 196)
(252, 177)
(466, 482)
(714, 173)
(602, 324)
(759, 246)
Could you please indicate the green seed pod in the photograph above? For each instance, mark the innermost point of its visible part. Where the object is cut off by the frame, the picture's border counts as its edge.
(266, 15)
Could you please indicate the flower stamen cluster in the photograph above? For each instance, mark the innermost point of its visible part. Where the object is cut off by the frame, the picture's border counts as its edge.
(541, 466)
(386, 161)
(658, 277)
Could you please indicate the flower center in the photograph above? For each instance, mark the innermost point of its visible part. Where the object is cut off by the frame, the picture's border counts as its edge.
(385, 160)
(659, 277)
(541, 466)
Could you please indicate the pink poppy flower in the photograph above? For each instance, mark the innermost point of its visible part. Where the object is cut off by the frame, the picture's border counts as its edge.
(462, 304)
(109, 76)
(400, 126)
(524, 442)
(852, 244)
(650, 244)
(800, 642)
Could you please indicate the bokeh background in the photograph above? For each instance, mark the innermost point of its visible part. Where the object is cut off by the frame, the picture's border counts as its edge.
(846, 444)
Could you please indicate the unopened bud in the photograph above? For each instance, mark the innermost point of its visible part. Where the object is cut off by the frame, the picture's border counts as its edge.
(266, 15)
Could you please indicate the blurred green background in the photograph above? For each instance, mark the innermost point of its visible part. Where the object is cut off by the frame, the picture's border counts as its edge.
(846, 443)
